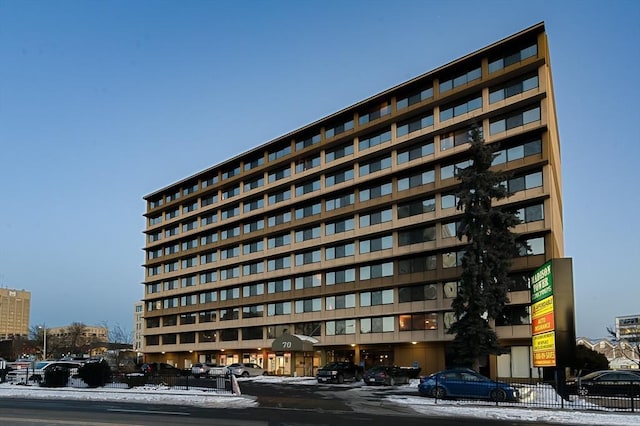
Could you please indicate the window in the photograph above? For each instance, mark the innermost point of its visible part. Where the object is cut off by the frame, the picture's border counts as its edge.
(228, 335)
(279, 174)
(210, 181)
(520, 183)
(417, 235)
(279, 219)
(375, 165)
(376, 271)
(447, 112)
(339, 226)
(281, 308)
(209, 238)
(308, 211)
(344, 301)
(376, 244)
(307, 187)
(375, 113)
(186, 245)
(308, 281)
(172, 213)
(339, 251)
(513, 57)
(514, 315)
(209, 277)
(307, 163)
(453, 139)
(512, 88)
(308, 257)
(229, 273)
(460, 79)
(230, 252)
(420, 321)
(253, 290)
(231, 232)
(339, 177)
(416, 180)
(170, 303)
(376, 139)
(172, 249)
(417, 264)
(280, 153)
(415, 152)
(155, 220)
(230, 192)
(253, 184)
(375, 298)
(280, 196)
(187, 208)
(156, 203)
(340, 327)
(254, 204)
(340, 276)
(253, 268)
(450, 289)
(174, 196)
(170, 232)
(208, 297)
(376, 217)
(188, 226)
(452, 259)
(337, 153)
(279, 241)
(252, 247)
(416, 207)
(415, 98)
(517, 152)
(230, 212)
(154, 288)
(278, 286)
(308, 234)
(189, 281)
(531, 247)
(252, 164)
(277, 263)
(448, 201)
(531, 213)
(417, 293)
(253, 311)
(231, 172)
(377, 325)
(376, 191)
(189, 300)
(253, 226)
(450, 229)
(207, 316)
(414, 124)
(154, 254)
(207, 201)
(230, 293)
(341, 128)
(170, 267)
(339, 202)
(513, 120)
(189, 262)
(451, 170)
(229, 314)
(300, 145)
(208, 219)
(308, 305)
(309, 328)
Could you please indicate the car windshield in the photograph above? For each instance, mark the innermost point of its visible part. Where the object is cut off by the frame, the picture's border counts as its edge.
(333, 365)
(377, 369)
(40, 365)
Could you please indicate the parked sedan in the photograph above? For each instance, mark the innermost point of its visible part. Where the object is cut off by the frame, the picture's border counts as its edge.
(606, 383)
(386, 375)
(202, 369)
(466, 383)
(246, 369)
(161, 369)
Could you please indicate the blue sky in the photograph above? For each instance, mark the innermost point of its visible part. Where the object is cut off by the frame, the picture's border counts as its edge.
(103, 102)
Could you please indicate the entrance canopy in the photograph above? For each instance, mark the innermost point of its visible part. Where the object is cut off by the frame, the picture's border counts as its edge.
(294, 343)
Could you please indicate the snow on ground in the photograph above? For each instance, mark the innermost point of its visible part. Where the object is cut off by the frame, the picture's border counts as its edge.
(538, 404)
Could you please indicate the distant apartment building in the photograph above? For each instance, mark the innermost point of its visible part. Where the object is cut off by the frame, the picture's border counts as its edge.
(138, 326)
(15, 308)
(89, 333)
(619, 353)
(338, 240)
(628, 328)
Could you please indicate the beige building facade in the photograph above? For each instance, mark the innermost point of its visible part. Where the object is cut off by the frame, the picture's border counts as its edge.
(15, 306)
(343, 232)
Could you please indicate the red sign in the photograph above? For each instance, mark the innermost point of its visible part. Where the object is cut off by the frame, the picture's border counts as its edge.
(543, 324)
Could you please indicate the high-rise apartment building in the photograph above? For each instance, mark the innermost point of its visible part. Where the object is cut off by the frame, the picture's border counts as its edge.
(138, 325)
(15, 307)
(337, 240)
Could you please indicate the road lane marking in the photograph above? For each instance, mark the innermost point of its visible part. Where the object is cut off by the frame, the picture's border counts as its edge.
(171, 413)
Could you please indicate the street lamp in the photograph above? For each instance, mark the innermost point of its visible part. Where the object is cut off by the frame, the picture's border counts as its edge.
(44, 344)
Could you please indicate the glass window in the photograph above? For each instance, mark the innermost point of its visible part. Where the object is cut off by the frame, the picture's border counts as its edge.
(341, 128)
(279, 219)
(339, 202)
(374, 165)
(415, 152)
(340, 276)
(416, 207)
(339, 226)
(414, 124)
(279, 286)
(343, 151)
(375, 113)
(305, 143)
(376, 217)
(370, 141)
(307, 163)
(415, 98)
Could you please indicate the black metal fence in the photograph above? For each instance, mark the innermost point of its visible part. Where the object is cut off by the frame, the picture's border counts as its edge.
(217, 384)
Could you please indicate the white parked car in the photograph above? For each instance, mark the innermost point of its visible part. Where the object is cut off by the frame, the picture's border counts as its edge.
(218, 371)
(246, 369)
(202, 368)
(37, 372)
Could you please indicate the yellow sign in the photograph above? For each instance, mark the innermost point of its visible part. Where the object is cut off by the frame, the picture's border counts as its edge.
(542, 308)
(544, 349)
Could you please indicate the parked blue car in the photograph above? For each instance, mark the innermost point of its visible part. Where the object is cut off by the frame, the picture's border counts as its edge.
(466, 383)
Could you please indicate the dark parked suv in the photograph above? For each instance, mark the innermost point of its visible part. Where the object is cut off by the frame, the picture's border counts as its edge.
(338, 372)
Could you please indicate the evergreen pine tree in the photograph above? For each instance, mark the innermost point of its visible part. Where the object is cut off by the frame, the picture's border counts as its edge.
(487, 259)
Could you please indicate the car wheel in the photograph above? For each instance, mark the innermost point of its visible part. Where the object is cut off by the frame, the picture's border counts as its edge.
(438, 392)
(498, 395)
(583, 391)
(340, 378)
(245, 374)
